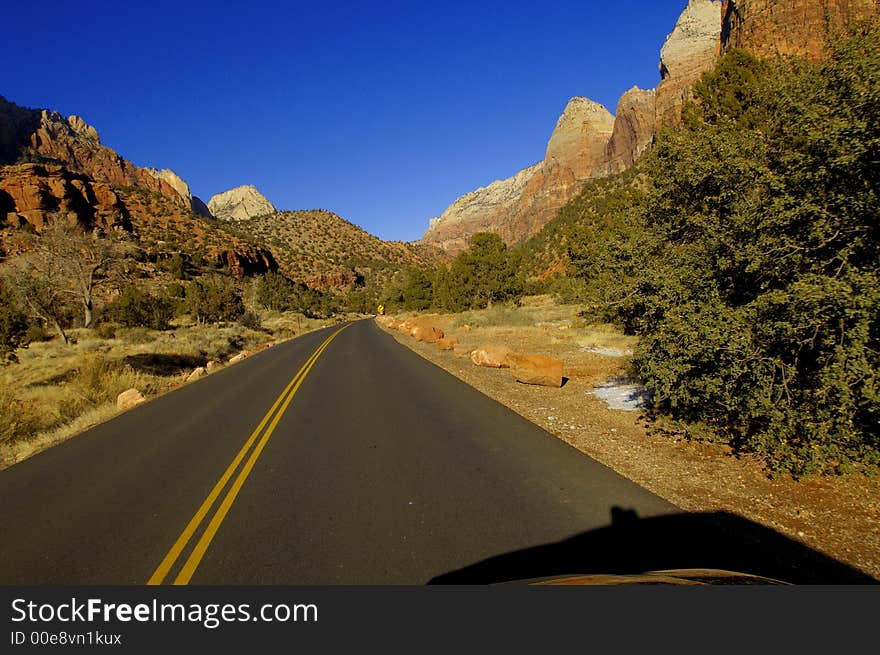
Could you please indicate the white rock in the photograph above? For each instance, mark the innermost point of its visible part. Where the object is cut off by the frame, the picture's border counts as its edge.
(129, 398)
(237, 358)
(197, 373)
(240, 204)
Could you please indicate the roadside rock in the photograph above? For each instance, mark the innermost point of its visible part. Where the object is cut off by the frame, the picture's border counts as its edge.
(462, 350)
(536, 369)
(427, 334)
(197, 373)
(447, 343)
(129, 398)
(491, 356)
(237, 358)
(213, 365)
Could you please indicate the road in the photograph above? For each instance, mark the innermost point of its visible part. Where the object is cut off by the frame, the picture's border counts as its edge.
(340, 457)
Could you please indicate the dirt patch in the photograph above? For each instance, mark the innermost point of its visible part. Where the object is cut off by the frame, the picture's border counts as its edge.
(839, 517)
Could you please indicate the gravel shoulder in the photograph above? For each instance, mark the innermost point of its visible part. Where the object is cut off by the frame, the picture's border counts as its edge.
(839, 517)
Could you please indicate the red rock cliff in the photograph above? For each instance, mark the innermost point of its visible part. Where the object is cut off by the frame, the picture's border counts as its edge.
(788, 27)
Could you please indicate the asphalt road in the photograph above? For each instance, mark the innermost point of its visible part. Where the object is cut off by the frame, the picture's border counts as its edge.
(363, 465)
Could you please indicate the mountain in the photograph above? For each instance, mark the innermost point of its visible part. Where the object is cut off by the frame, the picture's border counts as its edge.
(587, 143)
(44, 136)
(520, 205)
(517, 208)
(51, 165)
(323, 250)
(240, 204)
(182, 188)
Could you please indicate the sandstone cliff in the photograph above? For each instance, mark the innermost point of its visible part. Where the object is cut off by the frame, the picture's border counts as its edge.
(788, 27)
(588, 142)
(240, 204)
(633, 129)
(33, 194)
(45, 136)
(690, 50)
(485, 209)
(30, 192)
(519, 206)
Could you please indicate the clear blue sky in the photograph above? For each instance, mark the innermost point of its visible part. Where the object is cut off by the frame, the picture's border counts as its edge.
(383, 112)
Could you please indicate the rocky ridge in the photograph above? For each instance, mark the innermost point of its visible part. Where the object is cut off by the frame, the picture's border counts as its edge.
(178, 184)
(690, 50)
(588, 142)
(240, 204)
(520, 205)
(516, 208)
(323, 250)
(32, 195)
(44, 136)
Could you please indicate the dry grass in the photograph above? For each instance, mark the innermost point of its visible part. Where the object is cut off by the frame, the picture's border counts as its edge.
(57, 391)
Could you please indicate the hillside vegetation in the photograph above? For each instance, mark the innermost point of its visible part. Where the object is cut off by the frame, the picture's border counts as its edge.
(746, 254)
(744, 251)
(309, 244)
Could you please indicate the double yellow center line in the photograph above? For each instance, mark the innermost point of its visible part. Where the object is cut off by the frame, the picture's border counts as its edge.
(272, 417)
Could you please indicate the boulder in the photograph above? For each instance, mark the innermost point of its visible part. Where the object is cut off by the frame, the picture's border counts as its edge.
(213, 365)
(536, 369)
(491, 356)
(197, 373)
(129, 398)
(462, 350)
(427, 334)
(237, 358)
(392, 324)
(404, 327)
(447, 343)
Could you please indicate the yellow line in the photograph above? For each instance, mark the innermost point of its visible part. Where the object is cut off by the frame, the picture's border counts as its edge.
(201, 547)
(171, 557)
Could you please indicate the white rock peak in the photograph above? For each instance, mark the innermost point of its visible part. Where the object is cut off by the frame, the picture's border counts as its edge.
(240, 204)
(174, 180)
(697, 31)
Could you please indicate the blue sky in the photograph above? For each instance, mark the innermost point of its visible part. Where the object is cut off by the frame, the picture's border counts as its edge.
(382, 112)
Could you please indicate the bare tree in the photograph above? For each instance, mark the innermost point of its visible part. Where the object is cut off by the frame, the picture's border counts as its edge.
(40, 285)
(82, 256)
(62, 266)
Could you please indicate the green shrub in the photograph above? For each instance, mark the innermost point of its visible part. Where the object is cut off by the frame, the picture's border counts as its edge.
(36, 334)
(214, 298)
(488, 272)
(13, 326)
(251, 320)
(747, 259)
(137, 308)
(107, 330)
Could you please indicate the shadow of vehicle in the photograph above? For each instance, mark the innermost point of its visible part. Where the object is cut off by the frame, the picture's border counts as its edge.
(633, 545)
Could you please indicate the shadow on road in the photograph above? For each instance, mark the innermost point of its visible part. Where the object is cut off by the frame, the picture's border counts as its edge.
(631, 544)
